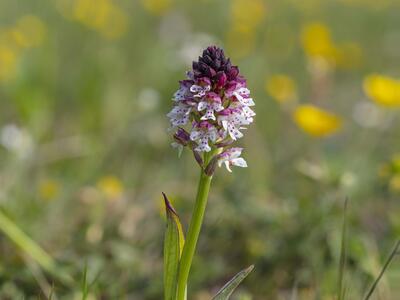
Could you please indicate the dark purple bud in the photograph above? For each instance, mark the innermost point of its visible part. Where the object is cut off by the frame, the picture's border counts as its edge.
(228, 65)
(211, 63)
(213, 97)
(203, 67)
(182, 137)
(221, 79)
(203, 81)
(233, 72)
(216, 64)
(207, 59)
(211, 72)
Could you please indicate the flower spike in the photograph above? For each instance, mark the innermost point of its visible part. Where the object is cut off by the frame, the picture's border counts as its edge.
(214, 104)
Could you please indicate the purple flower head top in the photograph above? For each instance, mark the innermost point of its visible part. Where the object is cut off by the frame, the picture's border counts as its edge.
(214, 104)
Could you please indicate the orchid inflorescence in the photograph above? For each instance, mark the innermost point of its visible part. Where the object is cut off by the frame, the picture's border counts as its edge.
(216, 101)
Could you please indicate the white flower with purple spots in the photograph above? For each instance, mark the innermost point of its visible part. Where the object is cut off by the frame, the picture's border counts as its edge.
(242, 94)
(248, 113)
(199, 91)
(212, 102)
(201, 133)
(179, 115)
(232, 120)
(184, 91)
(231, 157)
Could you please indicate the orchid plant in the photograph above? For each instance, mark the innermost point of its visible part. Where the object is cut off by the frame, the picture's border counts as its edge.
(211, 108)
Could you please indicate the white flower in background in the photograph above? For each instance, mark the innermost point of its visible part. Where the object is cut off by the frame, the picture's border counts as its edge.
(148, 99)
(17, 140)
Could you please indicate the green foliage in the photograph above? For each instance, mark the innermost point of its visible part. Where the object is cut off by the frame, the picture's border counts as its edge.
(84, 151)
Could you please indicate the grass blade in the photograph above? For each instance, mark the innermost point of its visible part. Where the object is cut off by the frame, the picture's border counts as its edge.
(343, 254)
(226, 291)
(85, 286)
(385, 266)
(31, 248)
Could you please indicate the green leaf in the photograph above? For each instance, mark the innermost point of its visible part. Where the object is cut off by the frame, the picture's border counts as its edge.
(173, 245)
(230, 287)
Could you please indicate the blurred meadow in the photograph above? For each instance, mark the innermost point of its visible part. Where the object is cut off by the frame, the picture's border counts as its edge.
(85, 152)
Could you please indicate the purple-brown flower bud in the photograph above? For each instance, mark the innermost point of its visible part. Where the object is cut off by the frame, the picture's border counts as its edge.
(182, 137)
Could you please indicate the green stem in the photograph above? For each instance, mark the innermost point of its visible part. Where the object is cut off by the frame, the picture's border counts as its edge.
(194, 229)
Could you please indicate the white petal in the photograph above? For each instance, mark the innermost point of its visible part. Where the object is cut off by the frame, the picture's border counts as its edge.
(227, 165)
(240, 162)
(202, 105)
(234, 132)
(203, 146)
(217, 106)
(209, 115)
(195, 88)
(247, 101)
(212, 135)
(224, 124)
(248, 112)
(195, 135)
(244, 91)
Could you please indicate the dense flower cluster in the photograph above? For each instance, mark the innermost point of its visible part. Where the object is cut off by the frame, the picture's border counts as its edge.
(215, 102)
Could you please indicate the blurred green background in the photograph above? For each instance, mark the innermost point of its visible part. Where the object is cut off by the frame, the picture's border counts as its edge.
(85, 152)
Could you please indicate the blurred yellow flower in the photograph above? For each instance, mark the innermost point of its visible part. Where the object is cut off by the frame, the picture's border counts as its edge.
(390, 173)
(49, 189)
(396, 162)
(315, 121)
(157, 7)
(8, 62)
(383, 90)
(248, 13)
(111, 186)
(282, 88)
(394, 183)
(349, 55)
(372, 4)
(104, 16)
(29, 31)
(317, 42)
(101, 15)
(240, 41)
